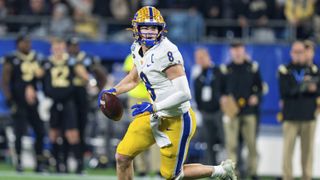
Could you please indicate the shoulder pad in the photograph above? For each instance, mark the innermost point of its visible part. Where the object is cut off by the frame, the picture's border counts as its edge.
(81, 55)
(223, 69)
(254, 67)
(283, 69)
(314, 68)
(166, 45)
(133, 47)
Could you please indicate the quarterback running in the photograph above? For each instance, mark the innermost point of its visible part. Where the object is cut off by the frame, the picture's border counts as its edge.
(168, 120)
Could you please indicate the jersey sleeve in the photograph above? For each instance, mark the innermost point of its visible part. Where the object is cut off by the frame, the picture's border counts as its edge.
(169, 58)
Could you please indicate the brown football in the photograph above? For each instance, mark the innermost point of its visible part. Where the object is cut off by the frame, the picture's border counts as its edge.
(111, 106)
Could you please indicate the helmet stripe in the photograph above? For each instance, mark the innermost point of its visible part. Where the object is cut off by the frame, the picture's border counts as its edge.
(151, 13)
(135, 16)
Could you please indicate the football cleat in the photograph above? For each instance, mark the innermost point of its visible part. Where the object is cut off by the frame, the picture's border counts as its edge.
(229, 168)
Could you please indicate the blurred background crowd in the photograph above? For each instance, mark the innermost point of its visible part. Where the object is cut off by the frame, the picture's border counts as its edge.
(245, 68)
(255, 20)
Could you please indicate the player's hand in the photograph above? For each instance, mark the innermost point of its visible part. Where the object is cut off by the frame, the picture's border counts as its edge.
(30, 95)
(253, 100)
(312, 87)
(110, 91)
(141, 108)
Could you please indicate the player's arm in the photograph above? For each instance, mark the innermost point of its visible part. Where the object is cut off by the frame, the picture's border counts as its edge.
(179, 81)
(101, 76)
(129, 82)
(38, 66)
(287, 88)
(39, 72)
(81, 72)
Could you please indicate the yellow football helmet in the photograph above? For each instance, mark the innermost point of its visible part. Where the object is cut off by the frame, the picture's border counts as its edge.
(148, 16)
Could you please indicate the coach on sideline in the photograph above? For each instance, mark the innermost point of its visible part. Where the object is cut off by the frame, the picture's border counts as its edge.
(298, 83)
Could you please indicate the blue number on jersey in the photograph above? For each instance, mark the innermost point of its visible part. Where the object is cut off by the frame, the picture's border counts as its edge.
(170, 56)
(148, 86)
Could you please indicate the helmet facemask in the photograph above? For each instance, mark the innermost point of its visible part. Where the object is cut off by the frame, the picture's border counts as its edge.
(147, 37)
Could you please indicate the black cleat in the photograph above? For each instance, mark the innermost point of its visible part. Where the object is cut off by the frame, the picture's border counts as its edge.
(19, 168)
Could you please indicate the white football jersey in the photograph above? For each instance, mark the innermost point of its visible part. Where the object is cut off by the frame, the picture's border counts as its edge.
(151, 68)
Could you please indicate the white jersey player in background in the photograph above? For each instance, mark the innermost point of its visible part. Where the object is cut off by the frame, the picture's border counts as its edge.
(169, 120)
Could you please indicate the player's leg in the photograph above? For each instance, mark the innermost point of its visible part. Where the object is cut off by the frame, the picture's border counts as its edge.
(231, 129)
(72, 132)
(290, 133)
(307, 144)
(55, 149)
(137, 139)
(248, 130)
(180, 131)
(140, 162)
(196, 171)
(124, 167)
(82, 114)
(19, 125)
(208, 132)
(55, 132)
(39, 129)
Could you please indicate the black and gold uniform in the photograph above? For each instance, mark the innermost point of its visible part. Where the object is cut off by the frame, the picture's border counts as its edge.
(19, 79)
(63, 117)
(81, 95)
(86, 64)
(58, 86)
(60, 73)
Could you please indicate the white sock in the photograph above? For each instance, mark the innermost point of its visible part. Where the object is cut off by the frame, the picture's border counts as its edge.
(218, 171)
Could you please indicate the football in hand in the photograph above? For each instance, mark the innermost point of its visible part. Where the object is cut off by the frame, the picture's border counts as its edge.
(111, 106)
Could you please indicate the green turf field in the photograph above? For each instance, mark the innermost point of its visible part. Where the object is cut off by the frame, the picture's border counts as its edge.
(7, 173)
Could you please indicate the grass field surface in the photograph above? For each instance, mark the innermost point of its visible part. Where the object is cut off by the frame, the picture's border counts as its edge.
(8, 173)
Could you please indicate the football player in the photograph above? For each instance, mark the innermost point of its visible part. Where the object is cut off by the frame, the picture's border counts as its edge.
(20, 72)
(59, 74)
(169, 120)
(92, 66)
